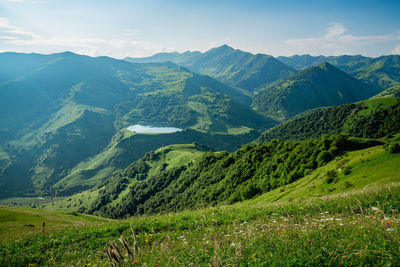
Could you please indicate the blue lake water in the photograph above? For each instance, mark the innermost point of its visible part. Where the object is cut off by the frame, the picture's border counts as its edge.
(137, 128)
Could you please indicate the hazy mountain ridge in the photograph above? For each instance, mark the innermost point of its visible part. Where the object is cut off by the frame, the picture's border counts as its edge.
(233, 67)
(383, 71)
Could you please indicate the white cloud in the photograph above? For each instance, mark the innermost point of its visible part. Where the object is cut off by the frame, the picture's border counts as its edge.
(7, 28)
(335, 41)
(396, 50)
(22, 40)
(336, 29)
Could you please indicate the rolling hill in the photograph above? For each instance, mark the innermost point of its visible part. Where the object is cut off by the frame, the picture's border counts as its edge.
(319, 86)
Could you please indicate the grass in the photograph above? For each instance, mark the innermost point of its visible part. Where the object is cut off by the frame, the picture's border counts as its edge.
(368, 167)
(361, 228)
(18, 223)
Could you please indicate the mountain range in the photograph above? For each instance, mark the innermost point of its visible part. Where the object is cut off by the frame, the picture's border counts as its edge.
(61, 111)
(64, 116)
(233, 67)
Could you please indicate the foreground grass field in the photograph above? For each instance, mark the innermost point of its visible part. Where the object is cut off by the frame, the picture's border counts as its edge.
(349, 217)
(359, 228)
(17, 223)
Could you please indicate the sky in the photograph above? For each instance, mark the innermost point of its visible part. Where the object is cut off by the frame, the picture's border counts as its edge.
(122, 28)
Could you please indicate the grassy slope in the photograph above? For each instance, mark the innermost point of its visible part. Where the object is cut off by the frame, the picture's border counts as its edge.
(369, 167)
(393, 91)
(357, 225)
(18, 223)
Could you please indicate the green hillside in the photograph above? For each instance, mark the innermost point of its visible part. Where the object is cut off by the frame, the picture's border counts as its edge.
(383, 71)
(213, 178)
(315, 220)
(64, 114)
(393, 91)
(319, 86)
(233, 67)
(373, 118)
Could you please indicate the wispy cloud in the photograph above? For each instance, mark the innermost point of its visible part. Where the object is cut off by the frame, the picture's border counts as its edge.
(23, 40)
(14, 31)
(335, 41)
(396, 50)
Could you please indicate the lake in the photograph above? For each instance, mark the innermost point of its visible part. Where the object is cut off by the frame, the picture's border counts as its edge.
(137, 128)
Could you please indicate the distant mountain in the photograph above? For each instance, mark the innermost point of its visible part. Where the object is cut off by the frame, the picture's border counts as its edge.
(233, 67)
(372, 118)
(60, 110)
(393, 91)
(319, 86)
(382, 71)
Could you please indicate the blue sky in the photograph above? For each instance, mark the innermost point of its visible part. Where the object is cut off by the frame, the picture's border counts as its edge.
(121, 28)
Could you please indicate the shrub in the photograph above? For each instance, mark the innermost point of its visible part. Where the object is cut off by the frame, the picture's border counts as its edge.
(347, 184)
(331, 176)
(324, 157)
(394, 148)
(346, 170)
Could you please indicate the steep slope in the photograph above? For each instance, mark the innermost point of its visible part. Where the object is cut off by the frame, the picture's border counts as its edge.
(63, 109)
(322, 85)
(373, 118)
(393, 91)
(233, 67)
(382, 71)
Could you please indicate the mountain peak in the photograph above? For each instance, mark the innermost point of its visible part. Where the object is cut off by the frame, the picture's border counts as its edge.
(222, 48)
(325, 66)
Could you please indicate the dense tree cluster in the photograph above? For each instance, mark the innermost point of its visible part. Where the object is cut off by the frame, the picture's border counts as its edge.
(373, 118)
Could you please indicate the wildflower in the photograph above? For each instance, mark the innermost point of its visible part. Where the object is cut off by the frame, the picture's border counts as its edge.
(309, 241)
(212, 238)
(287, 251)
(135, 261)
